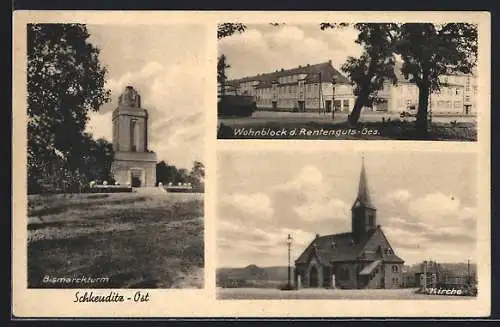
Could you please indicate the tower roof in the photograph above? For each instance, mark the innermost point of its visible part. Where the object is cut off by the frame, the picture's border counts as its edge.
(363, 191)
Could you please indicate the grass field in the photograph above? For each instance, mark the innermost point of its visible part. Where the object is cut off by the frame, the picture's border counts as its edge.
(441, 129)
(309, 294)
(136, 240)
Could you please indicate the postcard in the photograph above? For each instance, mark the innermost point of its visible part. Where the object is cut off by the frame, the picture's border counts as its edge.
(251, 164)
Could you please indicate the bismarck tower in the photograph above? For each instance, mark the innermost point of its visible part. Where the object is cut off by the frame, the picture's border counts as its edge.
(134, 163)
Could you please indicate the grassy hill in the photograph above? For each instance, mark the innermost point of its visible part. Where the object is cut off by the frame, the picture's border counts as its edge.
(134, 239)
(253, 276)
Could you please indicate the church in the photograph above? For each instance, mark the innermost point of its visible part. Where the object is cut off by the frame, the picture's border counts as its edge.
(360, 259)
(134, 163)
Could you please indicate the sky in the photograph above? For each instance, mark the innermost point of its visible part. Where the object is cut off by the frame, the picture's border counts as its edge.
(266, 48)
(163, 63)
(426, 203)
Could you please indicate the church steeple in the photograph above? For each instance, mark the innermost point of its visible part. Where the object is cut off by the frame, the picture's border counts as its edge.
(364, 214)
(363, 191)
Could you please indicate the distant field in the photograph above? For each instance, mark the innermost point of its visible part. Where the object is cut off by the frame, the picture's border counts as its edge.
(309, 294)
(134, 239)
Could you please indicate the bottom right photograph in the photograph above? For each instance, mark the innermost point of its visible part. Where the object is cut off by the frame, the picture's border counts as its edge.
(347, 225)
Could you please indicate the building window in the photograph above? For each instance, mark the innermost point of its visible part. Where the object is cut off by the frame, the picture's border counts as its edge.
(457, 104)
(371, 220)
(346, 104)
(133, 146)
(395, 268)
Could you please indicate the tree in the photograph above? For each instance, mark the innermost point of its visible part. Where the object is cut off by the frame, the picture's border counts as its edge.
(228, 29)
(221, 73)
(197, 175)
(65, 82)
(374, 67)
(429, 51)
(97, 160)
(166, 173)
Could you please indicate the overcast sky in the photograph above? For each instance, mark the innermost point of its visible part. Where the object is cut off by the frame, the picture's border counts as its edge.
(163, 63)
(426, 203)
(265, 48)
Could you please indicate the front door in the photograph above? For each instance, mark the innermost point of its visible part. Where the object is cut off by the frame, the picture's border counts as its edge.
(328, 105)
(302, 106)
(313, 277)
(275, 105)
(135, 178)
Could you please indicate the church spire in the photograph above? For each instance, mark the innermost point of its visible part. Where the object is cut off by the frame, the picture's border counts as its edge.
(363, 192)
(364, 214)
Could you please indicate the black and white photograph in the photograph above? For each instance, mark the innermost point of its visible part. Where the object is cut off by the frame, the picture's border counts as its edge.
(348, 81)
(347, 225)
(115, 172)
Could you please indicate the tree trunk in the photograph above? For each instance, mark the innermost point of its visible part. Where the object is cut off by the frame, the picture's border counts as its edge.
(423, 103)
(356, 110)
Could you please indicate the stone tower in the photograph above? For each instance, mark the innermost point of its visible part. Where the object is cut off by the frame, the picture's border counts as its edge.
(364, 214)
(134, 163)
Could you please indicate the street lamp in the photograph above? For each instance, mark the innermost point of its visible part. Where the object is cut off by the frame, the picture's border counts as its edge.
(334, 81)
(289, 242)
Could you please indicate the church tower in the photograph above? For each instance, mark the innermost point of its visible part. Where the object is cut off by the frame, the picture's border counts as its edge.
(364, 214)
(134, 163)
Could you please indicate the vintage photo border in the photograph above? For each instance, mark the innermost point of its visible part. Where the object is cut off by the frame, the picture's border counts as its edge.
(202, 303)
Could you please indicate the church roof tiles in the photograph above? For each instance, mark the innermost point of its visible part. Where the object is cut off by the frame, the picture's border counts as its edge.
(345, 249)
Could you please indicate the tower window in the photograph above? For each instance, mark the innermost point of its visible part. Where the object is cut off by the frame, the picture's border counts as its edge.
(133, 147)
(371, 220)
(395, 269)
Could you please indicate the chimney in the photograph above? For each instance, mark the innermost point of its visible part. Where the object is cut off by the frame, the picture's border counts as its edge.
(282, 69)
(330, 61)
(317, 235)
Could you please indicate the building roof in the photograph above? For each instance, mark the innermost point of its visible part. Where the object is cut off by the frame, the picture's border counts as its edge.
(401, 78)
(341, 247)
(368, 269)
(312, 72)
(363, 191)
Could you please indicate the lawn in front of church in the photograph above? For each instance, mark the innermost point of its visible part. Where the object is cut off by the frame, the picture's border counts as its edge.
(122, 240)
(321, 293)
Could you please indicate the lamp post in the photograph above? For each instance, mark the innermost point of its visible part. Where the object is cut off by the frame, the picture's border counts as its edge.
(289, 243)
(334, 81)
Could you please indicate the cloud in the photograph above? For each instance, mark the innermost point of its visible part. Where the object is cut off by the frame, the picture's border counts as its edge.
(99, 125)
(398, 196)
(256, 205)
(334, 210)
(168, 79)
(435, 206)
(262, 49)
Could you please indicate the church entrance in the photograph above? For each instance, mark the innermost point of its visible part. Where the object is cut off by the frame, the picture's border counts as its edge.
(136, 177)
(313, 277)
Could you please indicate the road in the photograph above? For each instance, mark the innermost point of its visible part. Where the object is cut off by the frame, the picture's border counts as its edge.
(276, 294)
(260, 117)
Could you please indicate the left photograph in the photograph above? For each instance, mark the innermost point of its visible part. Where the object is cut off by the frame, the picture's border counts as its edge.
(115, 155)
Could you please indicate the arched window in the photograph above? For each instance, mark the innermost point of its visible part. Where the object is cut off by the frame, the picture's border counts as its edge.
(395, 268)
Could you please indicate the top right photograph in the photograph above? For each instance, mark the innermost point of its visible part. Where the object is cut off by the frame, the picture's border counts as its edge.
(348, 81)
